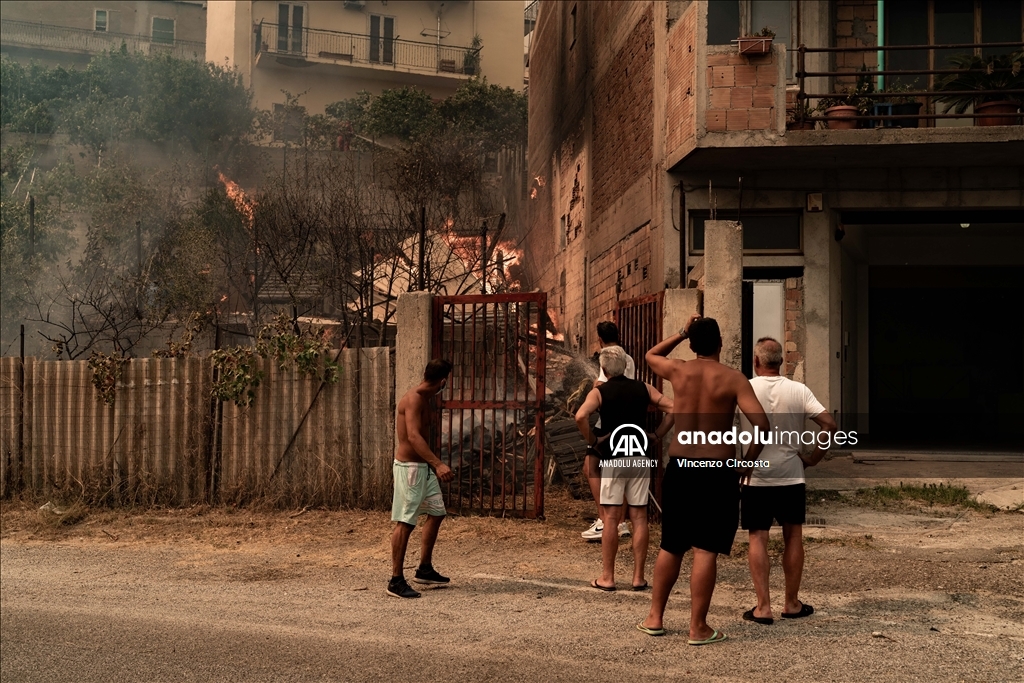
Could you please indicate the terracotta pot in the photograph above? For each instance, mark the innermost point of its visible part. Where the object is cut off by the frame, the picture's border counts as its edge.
(755, 46)
(800, 125)
(841, 116)
(1007, 113)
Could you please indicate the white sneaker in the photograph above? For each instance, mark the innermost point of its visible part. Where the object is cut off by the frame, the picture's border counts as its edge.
(624, 529)
(594, 532)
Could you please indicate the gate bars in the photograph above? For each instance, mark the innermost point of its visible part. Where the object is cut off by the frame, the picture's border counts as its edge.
(489, 425)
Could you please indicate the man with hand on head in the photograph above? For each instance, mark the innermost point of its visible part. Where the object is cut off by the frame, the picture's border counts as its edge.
(700, 503)
(417, 472)
(778, 491)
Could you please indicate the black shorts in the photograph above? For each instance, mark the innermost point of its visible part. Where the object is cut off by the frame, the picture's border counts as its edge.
(762, 504)
(700, 508)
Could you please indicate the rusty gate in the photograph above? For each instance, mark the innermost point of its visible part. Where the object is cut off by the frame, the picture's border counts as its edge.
(640, 328)
(489, 427)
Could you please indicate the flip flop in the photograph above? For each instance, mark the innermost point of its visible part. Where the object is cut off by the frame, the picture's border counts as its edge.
(650, 631)
(749, 616)
(644, 587)
(606, 589)
(805, 611)
(716, 637)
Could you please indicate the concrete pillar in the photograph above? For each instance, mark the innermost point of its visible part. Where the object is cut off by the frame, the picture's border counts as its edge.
(412, 347)
(678, 306)
(723, 285)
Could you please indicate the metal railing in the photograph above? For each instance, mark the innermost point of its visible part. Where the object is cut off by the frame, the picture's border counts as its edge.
(530, 17)
(63, 39)
(355, 48)
(929, 94)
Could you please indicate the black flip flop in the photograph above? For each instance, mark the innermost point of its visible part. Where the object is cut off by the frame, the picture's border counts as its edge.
(644, 587)
(606, 589)
(805, 611)
(749, 616)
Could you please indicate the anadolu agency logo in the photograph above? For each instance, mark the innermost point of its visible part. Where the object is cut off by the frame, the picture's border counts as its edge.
(628, 440)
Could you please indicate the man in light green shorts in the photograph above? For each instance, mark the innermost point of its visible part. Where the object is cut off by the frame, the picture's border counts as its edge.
(417, 473)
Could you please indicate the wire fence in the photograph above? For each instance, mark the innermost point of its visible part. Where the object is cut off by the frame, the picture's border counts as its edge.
(165, 439)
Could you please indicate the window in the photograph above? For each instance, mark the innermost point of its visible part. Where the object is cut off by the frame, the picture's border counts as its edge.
(163, 30)
(382, 39)
(730, 19)
(101, 20)
(290, 24)
(763, 232)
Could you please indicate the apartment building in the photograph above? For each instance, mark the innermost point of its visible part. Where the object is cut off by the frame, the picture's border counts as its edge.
(70, 33)
(886, 253)
(329, 51)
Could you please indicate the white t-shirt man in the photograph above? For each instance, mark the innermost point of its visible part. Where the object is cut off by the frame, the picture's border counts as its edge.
(788, 405)
(630, 373)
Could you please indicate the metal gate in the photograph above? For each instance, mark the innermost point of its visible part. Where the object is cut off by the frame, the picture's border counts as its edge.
(640, 328)
(490, 423)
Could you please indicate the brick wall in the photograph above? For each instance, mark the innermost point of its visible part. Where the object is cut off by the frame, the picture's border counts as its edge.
(623, 272)
(624, 116)
(795, 331)
(682, 90)
(741, 90)
(856, 26)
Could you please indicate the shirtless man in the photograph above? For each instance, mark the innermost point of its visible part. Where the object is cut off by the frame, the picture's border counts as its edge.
(417, 491)
(700, 494)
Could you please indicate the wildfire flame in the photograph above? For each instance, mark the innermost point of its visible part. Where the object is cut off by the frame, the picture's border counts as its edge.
(237, 195)
(553, 333)
(504, 264)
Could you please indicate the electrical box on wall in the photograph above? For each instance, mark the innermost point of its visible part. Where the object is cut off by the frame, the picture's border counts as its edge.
(814, 203)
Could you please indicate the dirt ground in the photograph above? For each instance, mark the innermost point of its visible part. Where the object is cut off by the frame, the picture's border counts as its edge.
(903, 593)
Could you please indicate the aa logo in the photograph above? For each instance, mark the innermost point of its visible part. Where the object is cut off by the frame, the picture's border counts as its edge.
(628, 440)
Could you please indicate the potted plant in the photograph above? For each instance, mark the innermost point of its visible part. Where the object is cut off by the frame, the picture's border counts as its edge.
(903, 105)
(802, 113)
(757, 44)
(471, 60)
(998, 72)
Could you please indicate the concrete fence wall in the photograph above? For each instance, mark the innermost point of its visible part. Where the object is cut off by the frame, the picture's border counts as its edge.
(165, 440)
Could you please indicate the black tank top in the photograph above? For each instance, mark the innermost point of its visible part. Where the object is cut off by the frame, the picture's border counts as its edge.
(623, 401)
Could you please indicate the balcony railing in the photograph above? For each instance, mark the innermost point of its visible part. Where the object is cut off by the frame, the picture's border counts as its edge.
(355, 48)
(874, 108)
(63, 39)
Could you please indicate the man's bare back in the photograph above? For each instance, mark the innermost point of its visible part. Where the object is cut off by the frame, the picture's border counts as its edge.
(413, 403)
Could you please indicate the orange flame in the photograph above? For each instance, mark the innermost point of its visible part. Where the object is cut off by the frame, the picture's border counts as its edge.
(503, 266)
(237, 195)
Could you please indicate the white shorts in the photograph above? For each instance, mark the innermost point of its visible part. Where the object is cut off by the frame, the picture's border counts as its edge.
(628, 485)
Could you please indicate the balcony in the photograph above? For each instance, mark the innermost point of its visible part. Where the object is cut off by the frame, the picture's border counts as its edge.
(38, 36)
(283, 46)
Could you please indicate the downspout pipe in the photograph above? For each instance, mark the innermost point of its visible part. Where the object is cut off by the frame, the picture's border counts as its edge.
(880, 11)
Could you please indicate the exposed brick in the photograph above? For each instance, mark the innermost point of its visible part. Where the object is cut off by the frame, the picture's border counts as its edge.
(844, 28)
(746, 75)
(720, 98)
(763, 96)
(737, 119)
(716, 118)
(719, 59)
(844, 13)
(767, 74)
(790, 347)
(740, 98)
(760, 119)
(723, 76)
(866, 12)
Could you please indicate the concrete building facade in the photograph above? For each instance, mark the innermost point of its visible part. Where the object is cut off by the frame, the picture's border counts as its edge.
(330, 51)
(880, 257)
(61, 33)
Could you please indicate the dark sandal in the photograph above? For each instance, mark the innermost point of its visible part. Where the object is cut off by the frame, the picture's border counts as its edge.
(749, 616)
(644, 587)
(606, 589)
(805, 611)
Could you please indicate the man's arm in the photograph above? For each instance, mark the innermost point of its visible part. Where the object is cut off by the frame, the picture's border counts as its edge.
(666, 425)
(658, 400)
(827, 424)
(657, 358)
(414, 432)
(747, 401)
(590, 405)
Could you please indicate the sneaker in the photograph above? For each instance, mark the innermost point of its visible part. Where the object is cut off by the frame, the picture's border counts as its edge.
(624, 529)
(594, 532)
(398, 588)
(428, 575)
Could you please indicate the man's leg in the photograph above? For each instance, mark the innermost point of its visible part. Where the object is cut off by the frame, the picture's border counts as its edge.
(399, 542)
(593, 475)
(638, 515)
(702, 586)
(793, 565)
(666, 571)
(430, 529)
(760, 566)
(612, 515)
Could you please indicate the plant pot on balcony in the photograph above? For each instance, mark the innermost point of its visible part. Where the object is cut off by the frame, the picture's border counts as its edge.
(840, 117)
(800, 125)
(1002, 113)
(753, 45)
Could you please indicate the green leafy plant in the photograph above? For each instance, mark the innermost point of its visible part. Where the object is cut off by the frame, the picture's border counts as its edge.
(898, 87)
(765, 32)
(997, 72)
(471, 59)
